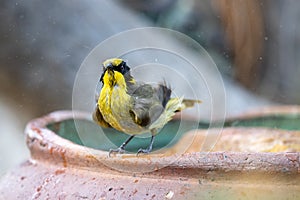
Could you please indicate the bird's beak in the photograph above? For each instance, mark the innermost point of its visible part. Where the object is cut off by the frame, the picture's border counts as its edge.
(109, 67)
(110, 70)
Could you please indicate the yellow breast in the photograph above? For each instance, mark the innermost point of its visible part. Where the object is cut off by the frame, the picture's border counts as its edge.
(114, 102)
(105, 106)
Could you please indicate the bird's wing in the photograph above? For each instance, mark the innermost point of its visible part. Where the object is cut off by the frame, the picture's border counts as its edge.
(98, 118)
(149, 103)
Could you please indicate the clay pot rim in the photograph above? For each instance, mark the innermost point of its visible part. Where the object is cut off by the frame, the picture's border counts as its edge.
(41, 142)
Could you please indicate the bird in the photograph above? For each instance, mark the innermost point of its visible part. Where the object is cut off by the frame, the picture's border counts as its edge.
(134, 107)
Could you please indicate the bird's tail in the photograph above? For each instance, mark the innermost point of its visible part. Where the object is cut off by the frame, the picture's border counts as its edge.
(188, 103)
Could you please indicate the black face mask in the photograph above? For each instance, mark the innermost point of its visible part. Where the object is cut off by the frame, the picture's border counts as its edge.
(122, 68)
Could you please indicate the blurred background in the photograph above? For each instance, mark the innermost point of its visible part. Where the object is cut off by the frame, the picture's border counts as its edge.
(255, 44)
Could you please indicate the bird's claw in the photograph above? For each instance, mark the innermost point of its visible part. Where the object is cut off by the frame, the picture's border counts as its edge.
(115, 151)
(144, 151)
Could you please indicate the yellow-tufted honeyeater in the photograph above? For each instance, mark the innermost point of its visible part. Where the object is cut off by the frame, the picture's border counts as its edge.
(134, 107)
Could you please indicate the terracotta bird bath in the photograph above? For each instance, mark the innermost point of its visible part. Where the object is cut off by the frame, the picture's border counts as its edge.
(255, 157)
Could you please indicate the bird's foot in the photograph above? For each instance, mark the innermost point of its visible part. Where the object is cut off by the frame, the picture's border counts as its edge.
(148, 150)
(144, 151)
(119, 150)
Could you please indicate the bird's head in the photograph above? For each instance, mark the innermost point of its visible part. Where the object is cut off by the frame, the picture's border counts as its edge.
(115, 71)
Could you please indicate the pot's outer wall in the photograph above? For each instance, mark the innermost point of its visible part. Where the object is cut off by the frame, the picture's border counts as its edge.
(61, 169)
(43, 181)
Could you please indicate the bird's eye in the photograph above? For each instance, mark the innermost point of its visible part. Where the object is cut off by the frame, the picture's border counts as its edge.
(121, 67)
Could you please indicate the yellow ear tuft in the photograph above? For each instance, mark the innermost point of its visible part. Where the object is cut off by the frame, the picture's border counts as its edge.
(113, 61)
